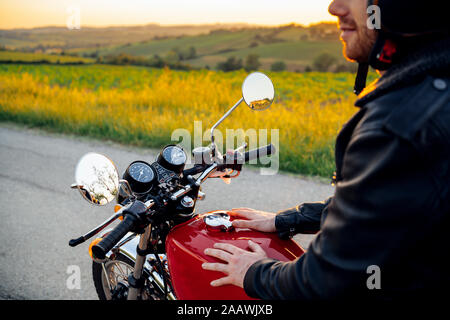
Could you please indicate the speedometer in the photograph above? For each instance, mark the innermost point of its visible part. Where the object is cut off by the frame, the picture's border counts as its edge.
(173, 158)
(141, 176)
(174, 155)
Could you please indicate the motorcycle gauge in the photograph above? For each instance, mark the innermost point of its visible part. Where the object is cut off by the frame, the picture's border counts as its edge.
(141, 176)
(172, 158)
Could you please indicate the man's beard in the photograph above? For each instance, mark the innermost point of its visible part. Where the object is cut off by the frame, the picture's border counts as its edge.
(359, 49)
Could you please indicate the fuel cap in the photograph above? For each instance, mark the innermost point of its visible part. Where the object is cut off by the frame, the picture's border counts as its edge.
(218, 221)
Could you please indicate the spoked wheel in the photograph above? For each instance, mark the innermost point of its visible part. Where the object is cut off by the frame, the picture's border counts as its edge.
(112, 276)
(111, 279)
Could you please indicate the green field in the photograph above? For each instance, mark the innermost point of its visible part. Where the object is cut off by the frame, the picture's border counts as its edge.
(25, 57)
(292, 44)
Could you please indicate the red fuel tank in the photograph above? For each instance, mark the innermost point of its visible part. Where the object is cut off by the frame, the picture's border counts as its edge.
(186, 243)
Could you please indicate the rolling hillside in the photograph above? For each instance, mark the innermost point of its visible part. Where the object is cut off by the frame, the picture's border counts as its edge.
(198, 46)
(88, 37)
(296, 46)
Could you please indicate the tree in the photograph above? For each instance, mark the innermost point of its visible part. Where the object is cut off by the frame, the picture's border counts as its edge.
(192, 53)
(252, 62)
(173, 57)
(346, 67)
(230, 64)
(278, 66)
(323, 62)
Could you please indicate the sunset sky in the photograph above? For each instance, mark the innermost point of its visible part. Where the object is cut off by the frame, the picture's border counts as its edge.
(34, 13)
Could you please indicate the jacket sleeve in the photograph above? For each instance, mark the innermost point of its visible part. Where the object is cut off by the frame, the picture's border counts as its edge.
(378, 211)
(304, 218)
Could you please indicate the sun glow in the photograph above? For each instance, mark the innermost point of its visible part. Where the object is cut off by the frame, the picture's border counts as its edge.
(30, 13)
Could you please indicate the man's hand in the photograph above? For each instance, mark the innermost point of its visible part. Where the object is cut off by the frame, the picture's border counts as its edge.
(256, 220)
(238, 262)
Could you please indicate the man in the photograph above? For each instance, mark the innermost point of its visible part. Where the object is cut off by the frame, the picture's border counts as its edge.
(391, 208)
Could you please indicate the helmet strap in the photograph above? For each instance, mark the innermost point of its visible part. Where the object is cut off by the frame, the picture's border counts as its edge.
(382, 56)
(361, 77)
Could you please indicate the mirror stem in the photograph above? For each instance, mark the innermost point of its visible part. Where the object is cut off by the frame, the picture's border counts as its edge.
(220, 121)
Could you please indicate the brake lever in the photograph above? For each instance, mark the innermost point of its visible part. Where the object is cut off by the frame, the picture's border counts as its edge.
(93, 232)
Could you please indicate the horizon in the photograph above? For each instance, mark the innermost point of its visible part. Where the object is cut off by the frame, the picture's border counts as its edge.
(29, 14)
(174, 25)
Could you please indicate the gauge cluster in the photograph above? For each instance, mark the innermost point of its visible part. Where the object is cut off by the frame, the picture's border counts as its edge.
(143, 177)
(172, 158)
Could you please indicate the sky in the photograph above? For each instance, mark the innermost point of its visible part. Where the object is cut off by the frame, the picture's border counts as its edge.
(36, 13)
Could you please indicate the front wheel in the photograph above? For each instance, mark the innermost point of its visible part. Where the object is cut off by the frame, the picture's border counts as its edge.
(111, 279)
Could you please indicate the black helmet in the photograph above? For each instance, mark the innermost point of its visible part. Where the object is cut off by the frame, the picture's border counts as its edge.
(404, 25)
(406, 18)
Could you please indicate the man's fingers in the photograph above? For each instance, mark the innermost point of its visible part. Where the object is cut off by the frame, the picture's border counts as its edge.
(219, 254)
(227, 247)
(215, 267)
(256, 248)
(245, 213)
(221, 282)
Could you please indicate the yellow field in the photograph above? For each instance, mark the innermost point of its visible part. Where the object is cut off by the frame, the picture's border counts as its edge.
(143, 106)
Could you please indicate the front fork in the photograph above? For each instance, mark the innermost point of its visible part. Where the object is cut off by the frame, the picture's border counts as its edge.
(133, 290)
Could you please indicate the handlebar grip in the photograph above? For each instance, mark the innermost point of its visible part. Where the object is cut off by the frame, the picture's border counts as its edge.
(194, 170)
(103, 247)
(260, 152)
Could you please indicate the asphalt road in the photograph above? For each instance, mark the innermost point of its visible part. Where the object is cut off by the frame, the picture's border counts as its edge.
(40, 213)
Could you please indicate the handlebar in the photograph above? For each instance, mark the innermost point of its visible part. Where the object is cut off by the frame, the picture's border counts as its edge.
(130, 220)
(194, 170)
(260, 152)
(236, 161)
(103, 247)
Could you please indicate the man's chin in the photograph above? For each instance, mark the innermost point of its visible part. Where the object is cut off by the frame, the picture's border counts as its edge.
(357, 47)
(354, 54)
(350, 56)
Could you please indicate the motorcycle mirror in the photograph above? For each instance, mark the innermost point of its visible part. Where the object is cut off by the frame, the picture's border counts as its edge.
(258, 91)
(96, 178)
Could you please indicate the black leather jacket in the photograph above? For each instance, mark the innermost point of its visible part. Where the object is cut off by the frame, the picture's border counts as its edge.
(391, 205)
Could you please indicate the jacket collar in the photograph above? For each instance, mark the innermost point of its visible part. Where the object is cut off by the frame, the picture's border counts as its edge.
(432, 60)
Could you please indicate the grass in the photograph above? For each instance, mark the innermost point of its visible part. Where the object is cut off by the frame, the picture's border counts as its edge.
(25, 57)
(143, 106)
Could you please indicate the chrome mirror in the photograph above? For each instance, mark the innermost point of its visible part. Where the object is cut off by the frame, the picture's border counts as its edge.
(258, 91)
(96, 178)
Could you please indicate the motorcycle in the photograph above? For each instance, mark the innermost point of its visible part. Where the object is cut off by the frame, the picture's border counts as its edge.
(156, 251)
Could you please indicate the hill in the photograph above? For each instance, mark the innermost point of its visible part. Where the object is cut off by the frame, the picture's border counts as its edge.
(88, 37)
(295, 46)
